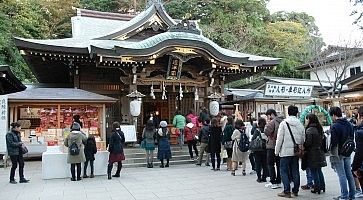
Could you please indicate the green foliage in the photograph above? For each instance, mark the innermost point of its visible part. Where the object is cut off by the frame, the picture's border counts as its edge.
(247, 26)
(102, 5)
(23, 19)
(241, 25)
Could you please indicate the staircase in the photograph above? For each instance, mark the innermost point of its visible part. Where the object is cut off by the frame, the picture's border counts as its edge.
(136, 157)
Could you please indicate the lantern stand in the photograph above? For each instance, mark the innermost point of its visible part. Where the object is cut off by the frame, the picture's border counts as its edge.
(214, 104)
(135, 105)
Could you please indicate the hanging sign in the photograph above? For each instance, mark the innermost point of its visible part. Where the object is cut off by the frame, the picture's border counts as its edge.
(3, 122)
(287, 90)
(130, 133)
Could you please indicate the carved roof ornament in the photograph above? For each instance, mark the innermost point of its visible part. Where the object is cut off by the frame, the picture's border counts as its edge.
(185, 26)
(135, 94)
(215, 95)
(152, 2)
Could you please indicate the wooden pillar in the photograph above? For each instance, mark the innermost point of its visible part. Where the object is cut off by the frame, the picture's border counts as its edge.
(103, 123)
(58, 115)
(76, 81)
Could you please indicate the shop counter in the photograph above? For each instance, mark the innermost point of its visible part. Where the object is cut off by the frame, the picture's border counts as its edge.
(54, 165)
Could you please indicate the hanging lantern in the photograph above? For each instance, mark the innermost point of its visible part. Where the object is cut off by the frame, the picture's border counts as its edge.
(214, 108)
(214, 105)
(135, 107)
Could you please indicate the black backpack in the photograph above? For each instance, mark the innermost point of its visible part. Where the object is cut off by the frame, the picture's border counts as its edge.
(74, 149)
(348, 146)
(244, 143)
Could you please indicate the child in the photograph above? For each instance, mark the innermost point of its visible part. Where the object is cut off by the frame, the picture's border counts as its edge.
(90, 150)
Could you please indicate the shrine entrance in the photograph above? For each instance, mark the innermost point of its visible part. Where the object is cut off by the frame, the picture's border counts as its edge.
(165, 109)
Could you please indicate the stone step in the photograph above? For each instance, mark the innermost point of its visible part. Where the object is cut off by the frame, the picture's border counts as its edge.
(157, 163)
(143, 154)
(140, 150)
(135, 157)
(143, 159)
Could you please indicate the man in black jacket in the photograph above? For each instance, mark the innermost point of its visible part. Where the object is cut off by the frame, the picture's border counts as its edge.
(357, 166)
(341, 131)
(203, 135)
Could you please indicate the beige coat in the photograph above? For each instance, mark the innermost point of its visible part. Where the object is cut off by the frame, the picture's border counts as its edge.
(80, 139)
(284, 143)
(237, 155)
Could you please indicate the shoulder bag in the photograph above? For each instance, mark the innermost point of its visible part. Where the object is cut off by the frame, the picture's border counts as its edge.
(298, 149)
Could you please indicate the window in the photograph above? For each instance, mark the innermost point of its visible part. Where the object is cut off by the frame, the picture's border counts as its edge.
(355, 70)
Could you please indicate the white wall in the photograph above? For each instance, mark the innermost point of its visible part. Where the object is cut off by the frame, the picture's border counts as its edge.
(322, 73)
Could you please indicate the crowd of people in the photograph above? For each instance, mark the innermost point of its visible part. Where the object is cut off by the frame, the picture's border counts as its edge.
(274, 145)
(278, 147)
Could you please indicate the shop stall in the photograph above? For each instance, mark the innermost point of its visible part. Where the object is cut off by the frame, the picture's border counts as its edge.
(46, 115)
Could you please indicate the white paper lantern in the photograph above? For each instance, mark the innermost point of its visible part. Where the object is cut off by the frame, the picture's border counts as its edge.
(214, 108)
(135, 108)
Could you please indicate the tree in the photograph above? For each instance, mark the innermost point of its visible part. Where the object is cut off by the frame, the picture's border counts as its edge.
(23, 19)
(332, 65)
(247, 26)
(59, 13)
(358, 12)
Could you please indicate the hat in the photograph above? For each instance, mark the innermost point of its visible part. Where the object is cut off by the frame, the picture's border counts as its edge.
(163, 124)
(76, 126)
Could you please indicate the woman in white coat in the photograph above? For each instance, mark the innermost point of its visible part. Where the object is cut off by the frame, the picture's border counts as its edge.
(237, 155)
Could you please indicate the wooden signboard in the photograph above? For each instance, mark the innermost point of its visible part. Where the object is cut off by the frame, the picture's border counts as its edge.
(130, 133)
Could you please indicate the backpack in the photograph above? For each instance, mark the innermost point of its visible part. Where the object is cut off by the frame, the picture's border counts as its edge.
(244, 143)
(74, 149)
(348, 146)
(258, 144)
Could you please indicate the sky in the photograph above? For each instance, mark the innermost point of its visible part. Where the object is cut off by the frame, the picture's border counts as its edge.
(331, 16)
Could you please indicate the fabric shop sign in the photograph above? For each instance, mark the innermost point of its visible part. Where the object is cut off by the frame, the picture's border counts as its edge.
(286, 90)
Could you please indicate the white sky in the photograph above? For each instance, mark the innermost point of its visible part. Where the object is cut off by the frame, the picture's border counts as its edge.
(331, 16)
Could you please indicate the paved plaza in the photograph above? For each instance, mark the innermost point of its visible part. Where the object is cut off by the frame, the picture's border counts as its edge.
(176, 182)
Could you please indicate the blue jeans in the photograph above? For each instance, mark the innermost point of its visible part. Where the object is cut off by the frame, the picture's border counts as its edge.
(181, 138)
(287, 165)
(345, 175)
(309, 177)
(318, 178)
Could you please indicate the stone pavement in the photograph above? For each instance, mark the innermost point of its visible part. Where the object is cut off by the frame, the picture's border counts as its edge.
(176, 182)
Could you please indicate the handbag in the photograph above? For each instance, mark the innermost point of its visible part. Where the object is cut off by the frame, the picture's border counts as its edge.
(143, 144)
(298, 149)
(258, 144)
(228, 145)
(24, 149)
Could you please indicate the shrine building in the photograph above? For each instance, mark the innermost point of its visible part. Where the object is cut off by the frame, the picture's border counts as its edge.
(168, 60)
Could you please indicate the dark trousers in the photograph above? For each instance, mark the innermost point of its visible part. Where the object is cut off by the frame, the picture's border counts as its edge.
(272, 161)
(119, 167)
(192, 144)
(252, 160)
(261, 164)
(287, 165)
(318, 177)
(85, 166)
(73, 170)
(213, 160)
(14, 164)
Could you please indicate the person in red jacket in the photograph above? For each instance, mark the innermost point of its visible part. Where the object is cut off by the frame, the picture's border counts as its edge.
(190, 132)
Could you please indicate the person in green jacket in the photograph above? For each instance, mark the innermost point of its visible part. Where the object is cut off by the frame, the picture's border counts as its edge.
(179, 123)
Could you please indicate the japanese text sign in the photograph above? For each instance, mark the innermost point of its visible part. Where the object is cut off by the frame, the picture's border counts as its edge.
(286, 90)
